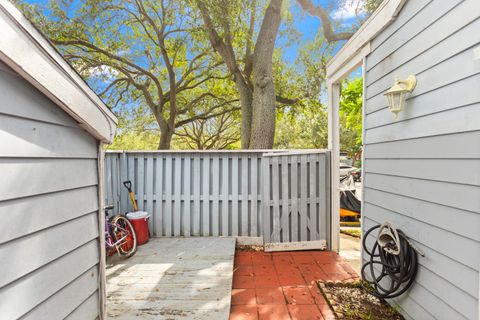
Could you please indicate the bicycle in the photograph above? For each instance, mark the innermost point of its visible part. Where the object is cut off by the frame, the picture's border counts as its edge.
(119, 235)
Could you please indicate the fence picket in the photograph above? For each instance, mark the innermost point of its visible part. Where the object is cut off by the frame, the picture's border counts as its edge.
(186, 196)
(283, 196)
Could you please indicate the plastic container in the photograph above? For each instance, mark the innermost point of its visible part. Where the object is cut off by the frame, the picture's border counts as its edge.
(139, 220)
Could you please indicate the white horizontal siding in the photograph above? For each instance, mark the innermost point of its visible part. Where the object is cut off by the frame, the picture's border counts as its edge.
(24, 177)
(21, 99)
(69, 297)
(17, 213)
(49, 208)
(51, 278)
(447, 146)
(466, 169)
(430, 285)
(28, 138)
(422, 169)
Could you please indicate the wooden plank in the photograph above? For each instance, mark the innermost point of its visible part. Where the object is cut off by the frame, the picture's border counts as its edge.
(29, 291)
(448, 122)
(40, 248)
(429, 169)
(440, 240)
(115, 186)
(21, 99)
(428, 147)
(457, 274)
(28, 177)
(141, 182)
(267, 231)
(285, 218)
(254, 195)
(410, 9)
(313, 221)
(149, 191)
(435, 12)
(245, 202)
(449, 194)
(206, 197)
(225, 214)
(14, 213)
(196, 196)
(123, 177)
(169, 176)
(234, 183)
(177, 212)
(69, 297)
(322, 204)
(167, 280)
(303, 198)
(108, 181)
(457, 68)
(431, 46)
(158, 221)
(215, 196)
(465, 223)
(187, 196)
(294, 198)
(459, 94)
(29, 138)
(294, 246)
(132, 174)
(275, 186)
(87, 310)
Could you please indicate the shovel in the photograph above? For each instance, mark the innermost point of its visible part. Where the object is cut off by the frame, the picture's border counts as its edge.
(128, 185)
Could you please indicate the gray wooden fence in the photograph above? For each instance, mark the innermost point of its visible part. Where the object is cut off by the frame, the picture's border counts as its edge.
(216, 193)
(296, 199)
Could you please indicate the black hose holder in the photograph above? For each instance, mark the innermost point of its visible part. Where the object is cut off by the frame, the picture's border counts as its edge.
(392, 262)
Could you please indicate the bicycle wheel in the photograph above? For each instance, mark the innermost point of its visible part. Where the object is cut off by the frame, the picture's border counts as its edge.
(122, 232)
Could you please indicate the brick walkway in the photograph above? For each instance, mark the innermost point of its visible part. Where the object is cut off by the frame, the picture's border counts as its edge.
(281, 285)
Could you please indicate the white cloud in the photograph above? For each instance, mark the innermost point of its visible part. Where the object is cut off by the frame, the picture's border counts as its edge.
(348, 10)
(103, 72)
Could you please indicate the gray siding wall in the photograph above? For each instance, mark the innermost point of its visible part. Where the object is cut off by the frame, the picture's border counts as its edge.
(48, 207)
(422, 170)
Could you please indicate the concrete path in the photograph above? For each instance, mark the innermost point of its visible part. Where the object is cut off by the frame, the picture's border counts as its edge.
(173, 278)
(350, 251)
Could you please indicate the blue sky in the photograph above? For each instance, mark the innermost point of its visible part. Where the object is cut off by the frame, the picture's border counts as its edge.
(306, 25)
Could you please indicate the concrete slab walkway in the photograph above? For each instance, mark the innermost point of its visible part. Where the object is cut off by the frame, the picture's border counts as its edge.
(173, 278)
(282, 285)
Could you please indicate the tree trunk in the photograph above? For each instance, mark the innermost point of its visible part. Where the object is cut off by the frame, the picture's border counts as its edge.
(245, 94)
(165, 140)
(166, 135)
(263, 102)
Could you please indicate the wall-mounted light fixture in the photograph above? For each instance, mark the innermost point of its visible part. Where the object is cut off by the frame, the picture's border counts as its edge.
(397, 94)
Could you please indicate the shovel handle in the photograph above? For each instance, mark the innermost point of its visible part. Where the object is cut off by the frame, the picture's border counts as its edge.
(128, 185)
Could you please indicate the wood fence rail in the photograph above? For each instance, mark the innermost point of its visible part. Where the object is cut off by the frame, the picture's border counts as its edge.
(218, 193)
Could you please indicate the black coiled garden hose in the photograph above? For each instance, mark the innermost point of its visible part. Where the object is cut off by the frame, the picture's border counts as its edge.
(390, 274)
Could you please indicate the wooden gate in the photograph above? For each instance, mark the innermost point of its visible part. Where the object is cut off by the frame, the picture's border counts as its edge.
(296, 200)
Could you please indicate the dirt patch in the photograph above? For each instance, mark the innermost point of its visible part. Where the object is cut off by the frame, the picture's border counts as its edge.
(249, 248)
(351, 301)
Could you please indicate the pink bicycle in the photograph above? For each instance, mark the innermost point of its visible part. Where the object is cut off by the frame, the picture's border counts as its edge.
(119, 235)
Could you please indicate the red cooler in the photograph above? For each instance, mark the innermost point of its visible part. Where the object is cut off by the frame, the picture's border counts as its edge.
(139, 220)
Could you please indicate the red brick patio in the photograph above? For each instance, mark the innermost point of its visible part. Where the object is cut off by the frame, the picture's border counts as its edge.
(281, 285)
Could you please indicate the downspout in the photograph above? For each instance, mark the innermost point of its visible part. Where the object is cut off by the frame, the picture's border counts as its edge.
(102, 293)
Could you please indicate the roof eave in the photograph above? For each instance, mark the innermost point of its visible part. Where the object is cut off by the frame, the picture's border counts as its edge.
(381, 18)
(24, 49)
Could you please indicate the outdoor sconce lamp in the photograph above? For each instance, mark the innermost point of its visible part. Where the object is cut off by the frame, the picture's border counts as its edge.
(397, 94)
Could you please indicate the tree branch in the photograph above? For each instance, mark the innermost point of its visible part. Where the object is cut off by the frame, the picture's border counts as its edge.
(319, 11)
